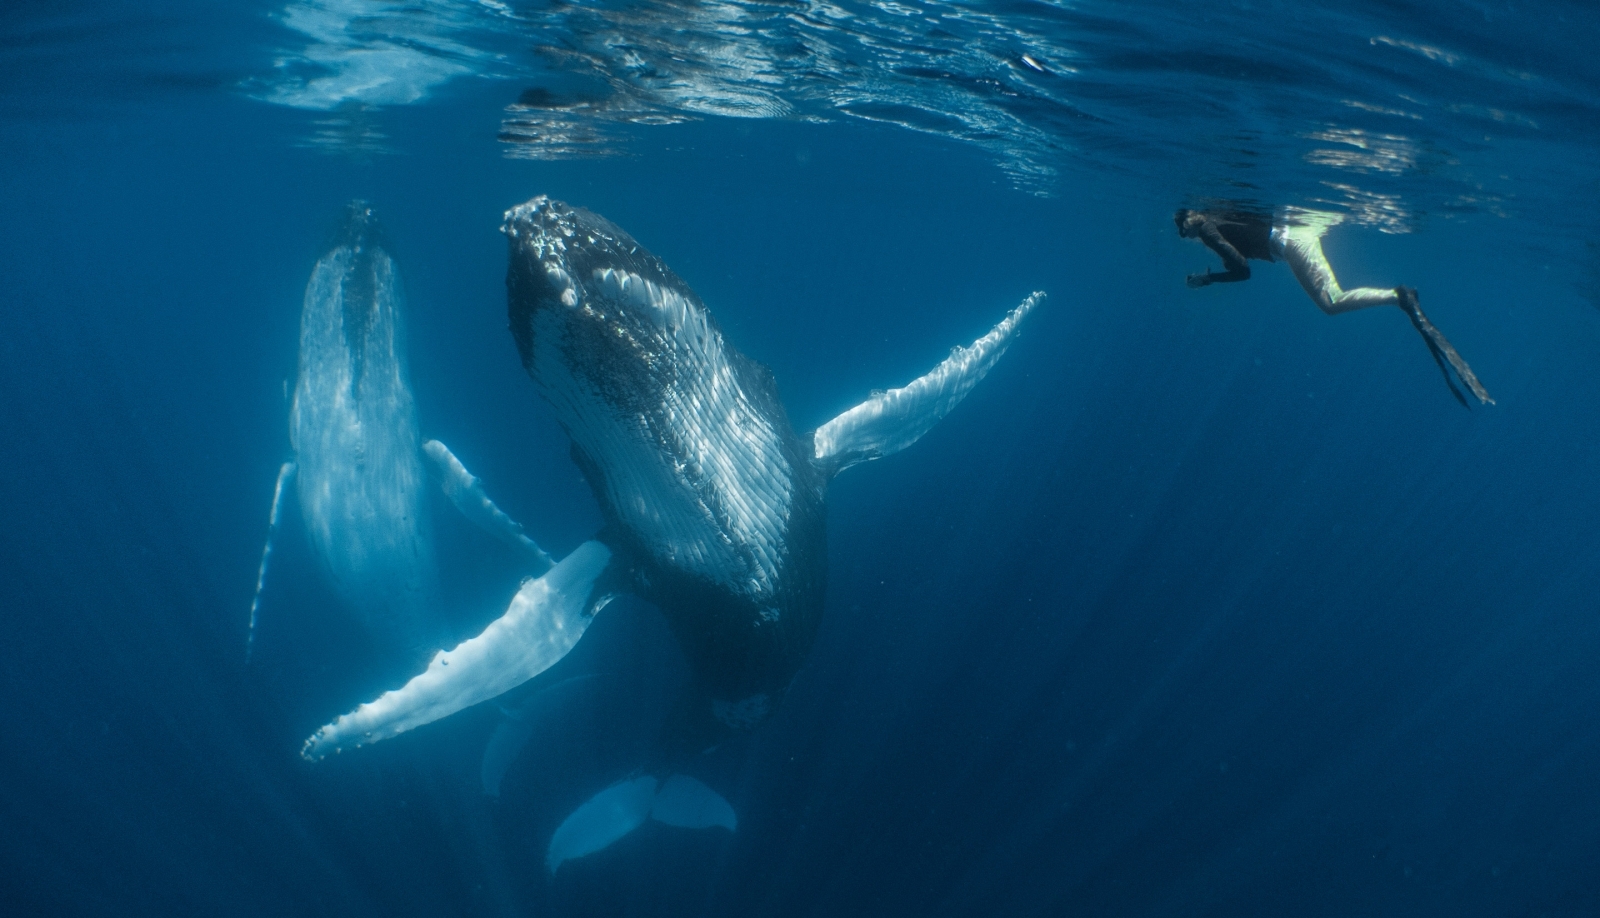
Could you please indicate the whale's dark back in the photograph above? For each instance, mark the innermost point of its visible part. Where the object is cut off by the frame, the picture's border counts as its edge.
(710, 499)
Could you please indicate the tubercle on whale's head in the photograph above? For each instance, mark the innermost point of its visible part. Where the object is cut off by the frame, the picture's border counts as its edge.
(539, 230)
(577, 262)
(537, 278)
(581, 244)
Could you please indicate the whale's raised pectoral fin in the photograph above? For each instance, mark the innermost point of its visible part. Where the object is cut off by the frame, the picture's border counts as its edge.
(466, 492)
(285, 475)
(679, 801)
(891, 421)
(544, 621)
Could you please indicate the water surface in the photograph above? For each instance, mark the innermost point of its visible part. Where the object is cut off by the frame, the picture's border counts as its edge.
(1204, 603)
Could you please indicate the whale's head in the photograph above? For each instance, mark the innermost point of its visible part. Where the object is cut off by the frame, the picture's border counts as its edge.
(700, 477)
(586, 299)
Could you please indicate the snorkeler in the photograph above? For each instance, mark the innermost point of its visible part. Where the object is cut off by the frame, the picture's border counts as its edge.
(1237, 235)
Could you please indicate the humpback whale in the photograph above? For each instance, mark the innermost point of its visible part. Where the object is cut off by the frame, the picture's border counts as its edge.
(713, 505)
(358, 464)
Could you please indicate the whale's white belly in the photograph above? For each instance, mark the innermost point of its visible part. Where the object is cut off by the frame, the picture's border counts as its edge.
(353, 426)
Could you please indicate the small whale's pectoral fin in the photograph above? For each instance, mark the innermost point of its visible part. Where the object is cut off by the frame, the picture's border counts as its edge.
(888, 422)
(466, 492)
(285, 475)
(679, 801)
(544, 621)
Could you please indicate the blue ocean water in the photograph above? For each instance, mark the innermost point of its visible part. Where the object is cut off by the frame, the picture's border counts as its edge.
(1202, 603)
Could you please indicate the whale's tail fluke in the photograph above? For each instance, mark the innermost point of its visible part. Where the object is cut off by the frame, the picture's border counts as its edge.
(544, 621)
(679, 801)
(285, 475)
(888, 422)
(466, 492)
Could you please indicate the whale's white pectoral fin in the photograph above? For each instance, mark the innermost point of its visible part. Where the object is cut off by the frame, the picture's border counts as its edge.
(544, 621)
(679, 801)
(891, 421)
(466, 492)
(285, 475)
(601, 820)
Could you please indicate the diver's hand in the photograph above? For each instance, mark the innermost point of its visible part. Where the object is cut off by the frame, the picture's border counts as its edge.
(1196, 281)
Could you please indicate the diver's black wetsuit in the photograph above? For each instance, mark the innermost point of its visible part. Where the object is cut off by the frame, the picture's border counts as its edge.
(1234, 235)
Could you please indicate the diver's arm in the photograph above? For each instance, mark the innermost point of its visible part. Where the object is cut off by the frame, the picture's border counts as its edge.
(1238, 269)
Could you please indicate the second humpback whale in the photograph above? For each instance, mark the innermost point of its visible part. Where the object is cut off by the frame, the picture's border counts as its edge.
(713, 504)
(358, 454)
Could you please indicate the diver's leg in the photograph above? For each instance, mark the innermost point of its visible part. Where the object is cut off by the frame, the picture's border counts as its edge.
(1302, 249)
(1361, 298)
(1300, 244)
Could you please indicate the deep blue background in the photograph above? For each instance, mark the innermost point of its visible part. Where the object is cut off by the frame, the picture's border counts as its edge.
(1203, 603)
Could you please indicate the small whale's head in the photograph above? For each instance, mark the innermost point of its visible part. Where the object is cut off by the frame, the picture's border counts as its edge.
(358, 229)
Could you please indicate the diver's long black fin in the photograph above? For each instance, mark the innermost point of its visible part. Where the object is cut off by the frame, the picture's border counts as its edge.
(1444, 368)
(1442, 351)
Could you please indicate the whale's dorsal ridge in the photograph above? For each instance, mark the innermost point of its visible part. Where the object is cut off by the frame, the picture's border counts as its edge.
(889, 421)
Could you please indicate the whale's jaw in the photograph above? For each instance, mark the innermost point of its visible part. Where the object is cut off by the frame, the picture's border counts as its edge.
(701, 479)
